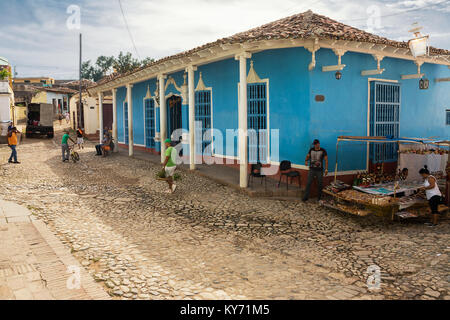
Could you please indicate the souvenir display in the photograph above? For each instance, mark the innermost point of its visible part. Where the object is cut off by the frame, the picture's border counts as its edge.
(424, 151)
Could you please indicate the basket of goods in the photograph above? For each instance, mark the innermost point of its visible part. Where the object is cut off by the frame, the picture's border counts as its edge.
(161, 175)
(338, 186)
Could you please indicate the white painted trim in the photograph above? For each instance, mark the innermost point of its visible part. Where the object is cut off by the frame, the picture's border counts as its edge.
(145, 125)
(226, 51)
(140, 145)
(368, 113)
(267, 82)
(225, 156)
(201, 87)
(124, 127)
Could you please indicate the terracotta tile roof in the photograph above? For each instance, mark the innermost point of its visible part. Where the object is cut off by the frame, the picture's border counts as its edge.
(56, 90)
(306, 25)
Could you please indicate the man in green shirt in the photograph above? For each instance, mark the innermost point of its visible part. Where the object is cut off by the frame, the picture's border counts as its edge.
(170, 165)
(65, 145)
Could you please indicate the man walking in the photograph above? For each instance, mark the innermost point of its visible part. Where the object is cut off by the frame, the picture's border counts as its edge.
(12, 143)
(316, 156)
(65, 145)
(170, 165)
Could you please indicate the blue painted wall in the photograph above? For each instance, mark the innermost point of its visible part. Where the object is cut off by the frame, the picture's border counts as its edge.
(294, 111)
(120, 97)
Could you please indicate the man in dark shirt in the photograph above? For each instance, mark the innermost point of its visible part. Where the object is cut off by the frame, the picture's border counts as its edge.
(316, 156)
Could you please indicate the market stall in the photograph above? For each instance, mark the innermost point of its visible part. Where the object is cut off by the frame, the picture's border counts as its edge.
(390, 194)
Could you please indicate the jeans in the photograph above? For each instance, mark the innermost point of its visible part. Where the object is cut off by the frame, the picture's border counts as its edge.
(13, 154)
(314, 173)
(99, 149)
(65, 151)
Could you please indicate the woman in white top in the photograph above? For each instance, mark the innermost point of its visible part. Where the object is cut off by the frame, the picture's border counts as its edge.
(434, 195)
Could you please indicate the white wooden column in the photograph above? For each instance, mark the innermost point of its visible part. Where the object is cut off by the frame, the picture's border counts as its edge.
(191, 75)
(243, 152)
(162, 115)
(100, 115)
(114, 133)
(130, 120)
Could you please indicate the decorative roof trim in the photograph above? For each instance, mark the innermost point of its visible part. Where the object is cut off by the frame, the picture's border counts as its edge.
(225, 51)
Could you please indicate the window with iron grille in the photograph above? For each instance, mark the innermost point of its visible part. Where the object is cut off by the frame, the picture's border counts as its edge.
(203, 115)
(448, 117)
(384, 119)
(125, 113)
(150, 123)
(257, 122)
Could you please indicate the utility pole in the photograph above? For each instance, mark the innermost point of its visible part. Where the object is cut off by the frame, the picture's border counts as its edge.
(80, 101)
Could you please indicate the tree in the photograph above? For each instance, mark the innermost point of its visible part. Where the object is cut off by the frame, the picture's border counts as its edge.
(125, 63)
(106, 65)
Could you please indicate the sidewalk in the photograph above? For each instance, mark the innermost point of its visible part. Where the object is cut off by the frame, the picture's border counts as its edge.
(34, 264)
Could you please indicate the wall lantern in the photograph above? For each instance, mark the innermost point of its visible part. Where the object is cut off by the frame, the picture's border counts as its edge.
(418, 45)
(338, 75)
(424, 84)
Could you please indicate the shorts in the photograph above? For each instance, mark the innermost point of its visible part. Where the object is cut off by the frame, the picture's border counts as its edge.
(170, 171)
(107, 148)
(434, 204)
(80, 141)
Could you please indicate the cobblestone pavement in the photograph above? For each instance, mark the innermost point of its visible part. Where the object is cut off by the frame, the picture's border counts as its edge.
(34, 265)
(207, 241)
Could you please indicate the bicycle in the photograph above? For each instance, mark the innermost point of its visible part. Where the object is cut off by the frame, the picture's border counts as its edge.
(74, 155)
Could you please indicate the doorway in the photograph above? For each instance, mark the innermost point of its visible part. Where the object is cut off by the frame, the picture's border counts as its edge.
(173, 116)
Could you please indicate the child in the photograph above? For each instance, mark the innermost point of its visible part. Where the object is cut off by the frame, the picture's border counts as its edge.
(80, 140)
(65, 145)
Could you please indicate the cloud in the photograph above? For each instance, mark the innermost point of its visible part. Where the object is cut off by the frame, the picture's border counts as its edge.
(35, 38)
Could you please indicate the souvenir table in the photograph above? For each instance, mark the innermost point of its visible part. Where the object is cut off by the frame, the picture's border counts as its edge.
(380, 199)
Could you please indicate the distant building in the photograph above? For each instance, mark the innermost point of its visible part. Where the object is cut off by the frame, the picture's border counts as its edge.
(36, 81)
(6, 100)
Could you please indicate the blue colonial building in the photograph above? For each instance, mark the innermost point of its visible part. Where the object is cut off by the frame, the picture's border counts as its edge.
(288, 82)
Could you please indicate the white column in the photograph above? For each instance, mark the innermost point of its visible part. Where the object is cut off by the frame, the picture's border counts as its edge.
(115, 135)
(100, 115)
(191, 74)
(130, 120)
(243, 152)
(162, 115)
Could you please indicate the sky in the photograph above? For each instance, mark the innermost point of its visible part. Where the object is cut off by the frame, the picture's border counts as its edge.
(41, 38)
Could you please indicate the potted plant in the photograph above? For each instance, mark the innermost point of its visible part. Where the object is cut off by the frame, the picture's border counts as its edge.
(4, 74)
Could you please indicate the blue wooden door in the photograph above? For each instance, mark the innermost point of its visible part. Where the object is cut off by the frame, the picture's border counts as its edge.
(203, 115)
(257, 122)
(384, 119)
(125, 111)
(150, 123)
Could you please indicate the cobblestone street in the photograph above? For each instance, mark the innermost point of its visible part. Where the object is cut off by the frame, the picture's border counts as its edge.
(207, 241)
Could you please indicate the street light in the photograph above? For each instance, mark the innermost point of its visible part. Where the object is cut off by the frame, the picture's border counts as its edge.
(418, 45)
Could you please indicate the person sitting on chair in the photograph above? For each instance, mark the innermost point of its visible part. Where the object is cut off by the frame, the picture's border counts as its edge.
(100, 146)
(106, 146)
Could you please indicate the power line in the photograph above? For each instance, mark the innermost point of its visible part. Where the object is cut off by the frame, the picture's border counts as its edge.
(128, 28)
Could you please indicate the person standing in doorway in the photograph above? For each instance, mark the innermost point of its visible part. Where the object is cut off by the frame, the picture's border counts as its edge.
(434, 195)
(316, 156)
(65, 145)
(12, 143)
(170, 165)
